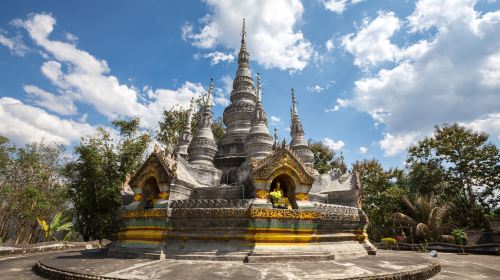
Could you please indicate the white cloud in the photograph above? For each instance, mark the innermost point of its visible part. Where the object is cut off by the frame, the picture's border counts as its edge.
(333, 145)
(363, 150)
(59, 104)
(452, 76)
(329, 45)
(341, 103)
(84, 78)
(272, 38)
(71, 37)
(14, 44)
(392, 145)
(334, 109)
(442, 14)
(371, 44)
(336, 6)
(490, 123)
(316, 88)
(217, 57)
(275, 120)
(79, 77)
(339, 6)
(24, 123)
(161, 99)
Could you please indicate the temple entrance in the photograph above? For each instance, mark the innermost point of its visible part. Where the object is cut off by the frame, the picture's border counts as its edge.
(284, 183)
(150, 192)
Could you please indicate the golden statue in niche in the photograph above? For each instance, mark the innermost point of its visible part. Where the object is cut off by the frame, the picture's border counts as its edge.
(278, 199)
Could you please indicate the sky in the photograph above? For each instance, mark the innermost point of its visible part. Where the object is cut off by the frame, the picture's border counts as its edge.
(371, 77)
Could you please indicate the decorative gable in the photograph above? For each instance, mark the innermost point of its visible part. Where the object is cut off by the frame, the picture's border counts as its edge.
(155, 166)
(281, 160)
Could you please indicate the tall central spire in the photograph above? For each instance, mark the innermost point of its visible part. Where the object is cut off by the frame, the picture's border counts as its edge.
(238, 115)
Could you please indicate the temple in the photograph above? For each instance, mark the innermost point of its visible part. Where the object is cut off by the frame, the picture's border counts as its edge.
(237, 197)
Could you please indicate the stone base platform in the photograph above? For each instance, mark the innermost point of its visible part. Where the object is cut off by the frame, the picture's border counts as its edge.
(388, 265)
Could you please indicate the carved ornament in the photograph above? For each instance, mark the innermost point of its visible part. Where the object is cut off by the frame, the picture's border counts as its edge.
(265, 213)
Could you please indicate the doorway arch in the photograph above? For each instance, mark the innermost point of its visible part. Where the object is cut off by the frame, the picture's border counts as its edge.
(151, 191)
(287, 185)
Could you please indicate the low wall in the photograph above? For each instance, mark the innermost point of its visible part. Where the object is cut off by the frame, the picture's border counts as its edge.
(486, 249)
(216, 222)
(45, 247)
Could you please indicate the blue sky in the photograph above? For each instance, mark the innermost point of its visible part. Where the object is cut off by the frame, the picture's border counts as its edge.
(371, 77)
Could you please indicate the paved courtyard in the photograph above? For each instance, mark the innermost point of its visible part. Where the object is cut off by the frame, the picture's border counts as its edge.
(453, 267)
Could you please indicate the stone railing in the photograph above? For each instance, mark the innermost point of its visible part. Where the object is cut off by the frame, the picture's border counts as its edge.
(45, 247)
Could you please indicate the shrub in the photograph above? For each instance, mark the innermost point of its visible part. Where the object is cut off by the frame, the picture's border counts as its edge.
(388, 242)
(460, 236)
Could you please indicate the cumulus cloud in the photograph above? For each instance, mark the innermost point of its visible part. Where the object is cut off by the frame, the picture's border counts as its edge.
(316, 88)
(59, 104)
(217, 57)
(451, 76)
(395, 144)
(333, 145)
(14, 44)
(341, 103)
(23, 123)
(329, 45)
(363, 150)
(79, 77)
(272, 37)
(339, 6)
(371, 44)
(275, 120)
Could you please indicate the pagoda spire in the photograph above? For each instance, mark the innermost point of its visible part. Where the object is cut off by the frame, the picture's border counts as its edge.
(186, 135)
(298, 144)
(238, 115)
(258, 143)
(203, 147)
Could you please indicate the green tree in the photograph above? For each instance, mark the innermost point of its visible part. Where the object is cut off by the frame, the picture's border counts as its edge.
(382, 193)
(96, 176)
(469, 167)
(325, 160)
(174, 120)
(31, 186)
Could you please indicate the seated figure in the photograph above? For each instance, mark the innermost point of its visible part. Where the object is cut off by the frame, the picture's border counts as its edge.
(277, 198)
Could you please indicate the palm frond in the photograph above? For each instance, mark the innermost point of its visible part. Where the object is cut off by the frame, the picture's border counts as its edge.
(423, 231)
(404, 219)
(410, 205)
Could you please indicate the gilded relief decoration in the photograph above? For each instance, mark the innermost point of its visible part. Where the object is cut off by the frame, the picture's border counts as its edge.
(263, 194)
(150, 213)
(281, 161)
(265, 213)
(164, 195)
(301, 196)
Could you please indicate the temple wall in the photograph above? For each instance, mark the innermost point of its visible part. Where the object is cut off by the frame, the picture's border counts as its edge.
(220, 192)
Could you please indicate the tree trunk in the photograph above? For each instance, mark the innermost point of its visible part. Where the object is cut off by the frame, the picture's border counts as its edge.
(33, 229)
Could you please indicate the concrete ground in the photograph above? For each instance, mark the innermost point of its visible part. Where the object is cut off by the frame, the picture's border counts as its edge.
(453, 266)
